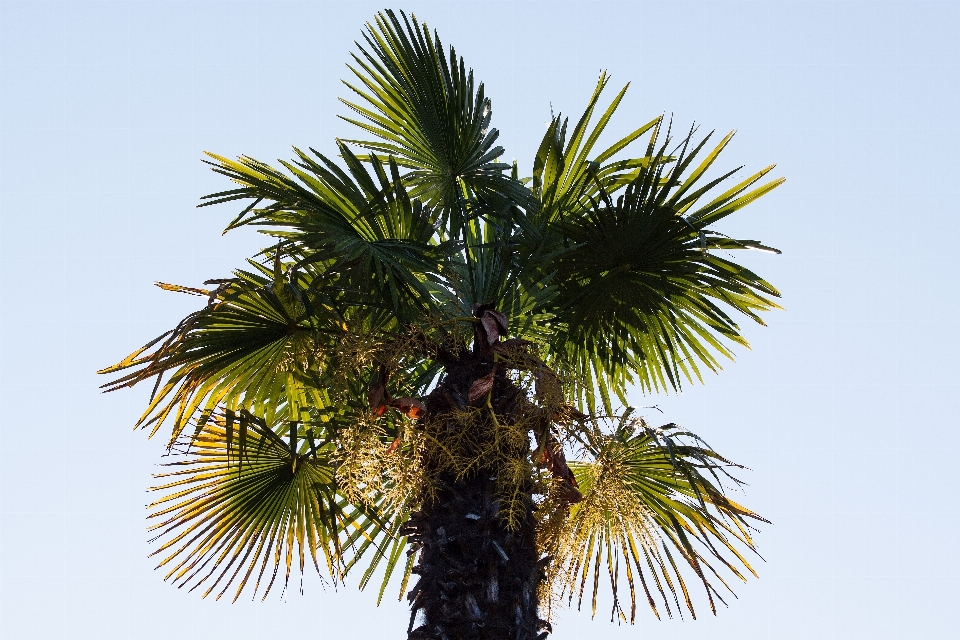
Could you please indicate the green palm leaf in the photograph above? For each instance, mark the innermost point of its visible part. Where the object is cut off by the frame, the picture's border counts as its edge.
(641, 292)
(565, 176)
(357, 227)
(425, 110)
(253, 344)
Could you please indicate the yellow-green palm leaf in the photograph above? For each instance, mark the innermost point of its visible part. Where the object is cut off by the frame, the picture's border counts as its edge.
(243, 505)
(652, 500)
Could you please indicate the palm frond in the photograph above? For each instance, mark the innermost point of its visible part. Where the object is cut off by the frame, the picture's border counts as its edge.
(566, 174)
(642, 294)
(253, 344)
(389, 551)
(651, 495)
(424, 109)
(361, 225)
(244, 504)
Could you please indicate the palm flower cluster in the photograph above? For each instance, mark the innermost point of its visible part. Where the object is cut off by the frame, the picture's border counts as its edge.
(420, 375)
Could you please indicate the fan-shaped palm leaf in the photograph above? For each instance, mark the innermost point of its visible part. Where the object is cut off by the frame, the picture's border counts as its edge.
(647, 492)
(254, 343)
(359, 228)
(641, 291)
(566, 174)
(425, 111)
(244, 503)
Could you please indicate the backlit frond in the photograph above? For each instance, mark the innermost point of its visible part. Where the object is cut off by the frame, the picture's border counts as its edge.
(423, 108)
(241, 506)
(652, 498)
(254, 343)
(642, 295)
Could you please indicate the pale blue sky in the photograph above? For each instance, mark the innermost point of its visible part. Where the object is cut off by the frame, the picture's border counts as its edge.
(845, 409)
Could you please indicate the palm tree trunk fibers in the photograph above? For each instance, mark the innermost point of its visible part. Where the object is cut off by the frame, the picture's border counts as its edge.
(478, 578)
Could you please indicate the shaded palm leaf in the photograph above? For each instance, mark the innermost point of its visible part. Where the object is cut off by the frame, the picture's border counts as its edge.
(425, 110)
(641, 292)
(362, 230)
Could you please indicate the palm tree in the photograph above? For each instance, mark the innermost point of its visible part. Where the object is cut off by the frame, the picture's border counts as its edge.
(395, 384)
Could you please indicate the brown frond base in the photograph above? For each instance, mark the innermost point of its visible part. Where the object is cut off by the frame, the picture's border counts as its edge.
(478, 580)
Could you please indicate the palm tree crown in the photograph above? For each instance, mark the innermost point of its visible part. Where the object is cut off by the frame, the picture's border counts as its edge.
(429, 336)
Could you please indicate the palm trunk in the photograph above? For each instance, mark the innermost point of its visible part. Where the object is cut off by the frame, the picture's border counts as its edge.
(478, 578)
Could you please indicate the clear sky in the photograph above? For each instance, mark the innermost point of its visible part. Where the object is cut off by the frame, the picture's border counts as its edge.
(845, 409)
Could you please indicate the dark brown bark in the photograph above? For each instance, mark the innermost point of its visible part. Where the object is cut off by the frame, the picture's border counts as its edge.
(478, 578)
